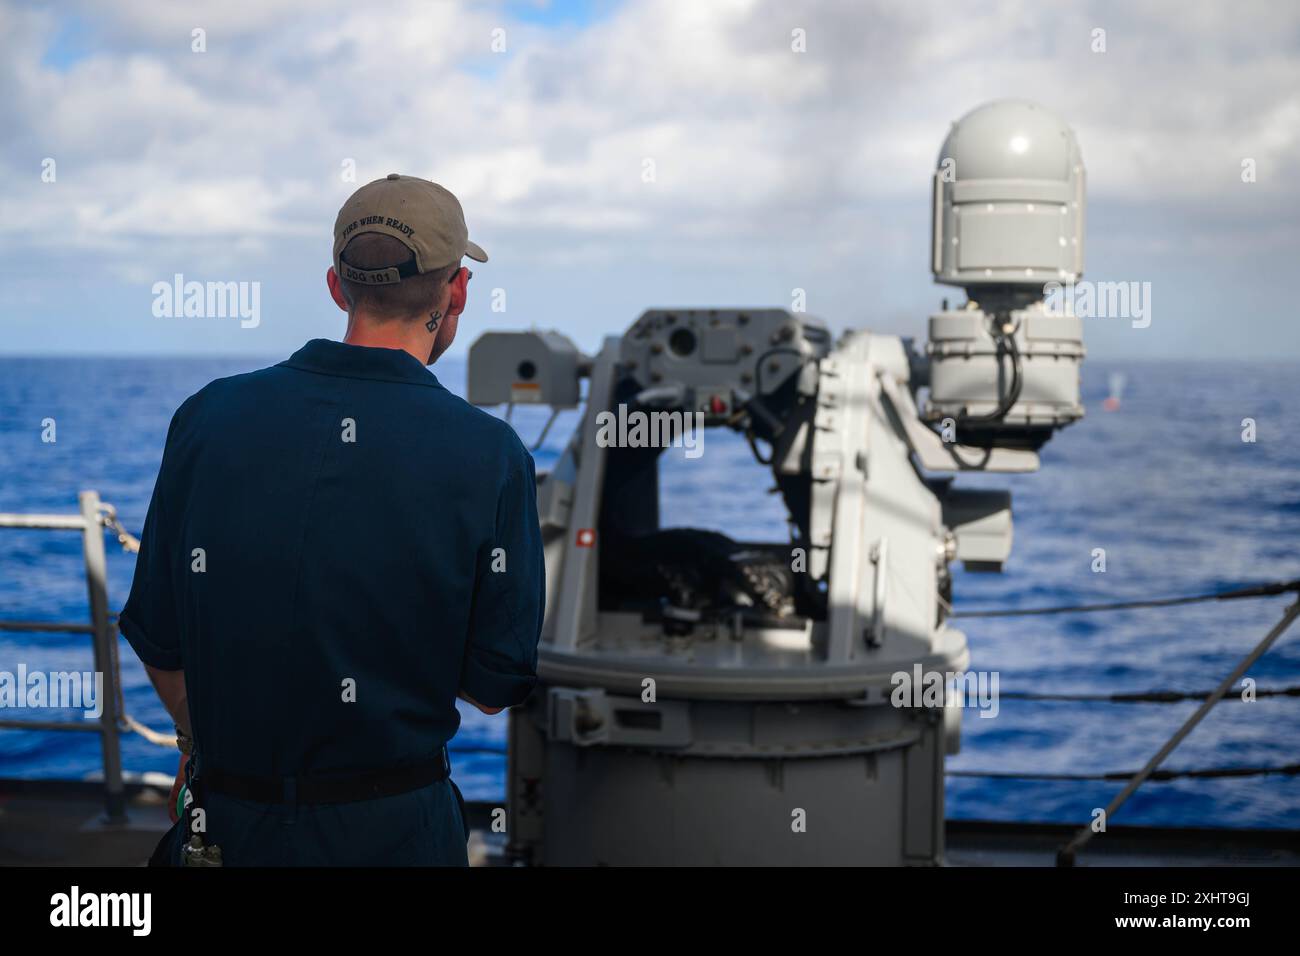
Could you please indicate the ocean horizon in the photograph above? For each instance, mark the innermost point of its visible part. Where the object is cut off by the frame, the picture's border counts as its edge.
(1165, 485)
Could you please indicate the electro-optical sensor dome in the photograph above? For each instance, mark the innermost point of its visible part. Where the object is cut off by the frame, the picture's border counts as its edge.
(1008, 199)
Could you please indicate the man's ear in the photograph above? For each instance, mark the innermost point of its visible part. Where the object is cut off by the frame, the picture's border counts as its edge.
(336, 288)
(459, 292)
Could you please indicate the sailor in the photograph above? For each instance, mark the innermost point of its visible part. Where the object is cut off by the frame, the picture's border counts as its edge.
(337, 548)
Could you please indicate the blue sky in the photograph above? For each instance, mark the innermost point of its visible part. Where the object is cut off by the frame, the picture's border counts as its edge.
(774, 170)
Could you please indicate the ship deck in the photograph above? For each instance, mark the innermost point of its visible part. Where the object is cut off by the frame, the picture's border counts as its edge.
(61, 823)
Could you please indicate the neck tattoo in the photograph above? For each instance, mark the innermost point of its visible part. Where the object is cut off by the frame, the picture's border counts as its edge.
(433, 321)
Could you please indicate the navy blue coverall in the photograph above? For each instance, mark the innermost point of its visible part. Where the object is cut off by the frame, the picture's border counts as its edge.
(336, 546)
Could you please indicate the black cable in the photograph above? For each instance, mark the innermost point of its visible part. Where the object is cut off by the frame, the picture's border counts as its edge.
(1287, 769)
(1290, 769)
(1145, 697)
(1006, 343)
(1262, 590)
(753, 446)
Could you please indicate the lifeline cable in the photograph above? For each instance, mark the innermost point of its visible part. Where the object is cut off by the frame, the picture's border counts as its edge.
(1260, 590)
(1146, 696)
(1065, 856)
(1290, 769)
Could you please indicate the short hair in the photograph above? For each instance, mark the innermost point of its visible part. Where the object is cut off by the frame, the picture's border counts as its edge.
(411, 298)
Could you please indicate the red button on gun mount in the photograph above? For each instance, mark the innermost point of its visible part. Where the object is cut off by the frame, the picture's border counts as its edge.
(717, 405)
(586, 538)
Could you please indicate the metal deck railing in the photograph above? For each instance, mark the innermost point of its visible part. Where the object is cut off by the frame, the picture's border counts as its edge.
(95, 516)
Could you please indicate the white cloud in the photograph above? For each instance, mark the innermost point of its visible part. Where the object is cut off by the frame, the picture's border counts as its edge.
(164, 152)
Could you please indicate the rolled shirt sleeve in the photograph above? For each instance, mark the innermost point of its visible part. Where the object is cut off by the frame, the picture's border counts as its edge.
(149, 621)
(500, 665)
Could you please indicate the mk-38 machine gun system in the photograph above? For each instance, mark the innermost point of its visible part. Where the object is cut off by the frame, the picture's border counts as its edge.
(709, 701)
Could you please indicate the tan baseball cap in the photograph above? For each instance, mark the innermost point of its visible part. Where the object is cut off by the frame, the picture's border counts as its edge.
(426, 218)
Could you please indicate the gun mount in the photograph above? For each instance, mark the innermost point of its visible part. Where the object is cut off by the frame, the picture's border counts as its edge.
(699, 693)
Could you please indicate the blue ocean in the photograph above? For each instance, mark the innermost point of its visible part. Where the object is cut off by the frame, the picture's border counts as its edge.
(1165, 485)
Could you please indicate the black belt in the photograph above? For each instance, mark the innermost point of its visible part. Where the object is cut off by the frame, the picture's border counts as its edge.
(369, 785)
